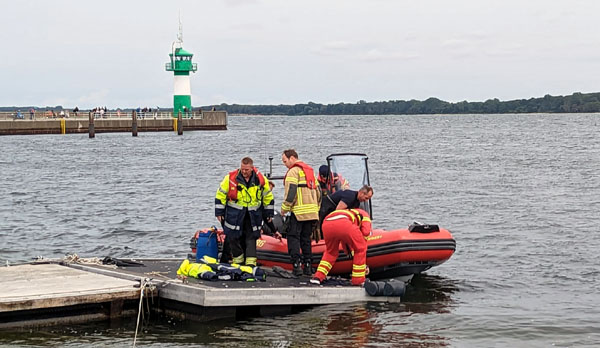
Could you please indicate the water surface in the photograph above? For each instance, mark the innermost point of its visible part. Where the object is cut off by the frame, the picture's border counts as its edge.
(520, 193)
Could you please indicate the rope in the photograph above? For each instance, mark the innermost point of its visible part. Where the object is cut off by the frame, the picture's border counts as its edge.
(144, 284)
(158, 274)
(74, 258)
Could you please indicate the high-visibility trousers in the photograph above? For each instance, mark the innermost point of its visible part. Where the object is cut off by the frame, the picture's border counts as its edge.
(343, 230)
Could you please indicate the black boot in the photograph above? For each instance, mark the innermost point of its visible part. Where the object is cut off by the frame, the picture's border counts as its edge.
(297, 269)
(308, 270)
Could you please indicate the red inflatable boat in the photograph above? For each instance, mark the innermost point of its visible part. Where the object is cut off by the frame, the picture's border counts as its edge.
(390, 254)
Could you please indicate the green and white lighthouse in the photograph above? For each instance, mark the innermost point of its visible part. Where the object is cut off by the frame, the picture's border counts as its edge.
(181, 65)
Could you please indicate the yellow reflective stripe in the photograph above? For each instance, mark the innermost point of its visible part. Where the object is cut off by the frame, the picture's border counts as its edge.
(337, 217)
(239, 259)
(298, 197)
(251, 261)
(310, 205)
(359, 267)
(346, 213)
(304, 211)
(357, 215)
(209, 259)
(366, 219)
(307, 208)
(246, 269)
(323, 270)
(358, 274)
(291, 180)
(325, 263)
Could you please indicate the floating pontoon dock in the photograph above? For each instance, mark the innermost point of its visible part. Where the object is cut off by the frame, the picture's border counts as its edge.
(51, 293)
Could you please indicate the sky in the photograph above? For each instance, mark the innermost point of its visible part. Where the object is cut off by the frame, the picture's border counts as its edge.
(113, 53)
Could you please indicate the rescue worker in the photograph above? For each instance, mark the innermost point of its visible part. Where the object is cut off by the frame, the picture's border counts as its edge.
(242, 201)
(351, 227)
(345, 199)
(302, 199)
(331, 182)
(270, 227)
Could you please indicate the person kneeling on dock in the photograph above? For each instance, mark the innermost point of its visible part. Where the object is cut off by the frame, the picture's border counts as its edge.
(351, 227)
(242, 201)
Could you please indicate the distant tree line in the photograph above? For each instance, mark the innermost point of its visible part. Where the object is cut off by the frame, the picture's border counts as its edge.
(578, 102)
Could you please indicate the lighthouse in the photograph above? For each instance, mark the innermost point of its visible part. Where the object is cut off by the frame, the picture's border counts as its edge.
(181, 65)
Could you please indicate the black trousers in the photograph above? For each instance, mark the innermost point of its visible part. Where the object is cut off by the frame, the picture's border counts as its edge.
(226, 253)
(246, 242)
(299, 237)
(327, 207)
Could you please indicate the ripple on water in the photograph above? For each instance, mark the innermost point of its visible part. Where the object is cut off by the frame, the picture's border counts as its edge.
(519, 193)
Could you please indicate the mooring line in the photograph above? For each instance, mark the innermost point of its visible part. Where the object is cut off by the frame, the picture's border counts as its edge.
(143, 284)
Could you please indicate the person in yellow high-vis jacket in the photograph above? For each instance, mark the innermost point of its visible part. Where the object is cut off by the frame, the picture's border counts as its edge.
(243, 200)
(302, 199)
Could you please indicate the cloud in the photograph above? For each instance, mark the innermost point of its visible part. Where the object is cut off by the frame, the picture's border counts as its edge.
(332, 48)
(379, 55)
(506, 51)
(97, 97)
(456, 43)
(238, 3)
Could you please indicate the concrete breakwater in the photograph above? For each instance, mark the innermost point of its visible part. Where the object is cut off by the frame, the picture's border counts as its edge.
(207, 120)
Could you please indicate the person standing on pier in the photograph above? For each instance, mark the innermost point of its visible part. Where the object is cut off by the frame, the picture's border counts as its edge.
(302, 199)
(243, 200)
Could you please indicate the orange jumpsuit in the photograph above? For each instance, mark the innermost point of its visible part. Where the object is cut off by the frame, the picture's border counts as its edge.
(349, 227)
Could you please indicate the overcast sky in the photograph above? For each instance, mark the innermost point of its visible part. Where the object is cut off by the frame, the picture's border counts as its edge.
(113, 53)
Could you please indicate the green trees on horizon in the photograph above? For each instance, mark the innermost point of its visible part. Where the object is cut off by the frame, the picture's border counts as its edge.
(577, 102)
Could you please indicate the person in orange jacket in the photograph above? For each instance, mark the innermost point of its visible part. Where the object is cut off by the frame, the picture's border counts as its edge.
(351, 227)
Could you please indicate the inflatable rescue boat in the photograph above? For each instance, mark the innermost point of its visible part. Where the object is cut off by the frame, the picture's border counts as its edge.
(390, 254)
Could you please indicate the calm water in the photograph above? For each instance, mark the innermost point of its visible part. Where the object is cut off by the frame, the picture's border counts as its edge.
(521, 194)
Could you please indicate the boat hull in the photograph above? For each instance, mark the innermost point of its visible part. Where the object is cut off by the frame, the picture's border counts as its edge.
(390, 254)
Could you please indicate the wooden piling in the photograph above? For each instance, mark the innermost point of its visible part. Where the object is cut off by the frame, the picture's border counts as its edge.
(179, 124)
(134, 129)
(91, 125)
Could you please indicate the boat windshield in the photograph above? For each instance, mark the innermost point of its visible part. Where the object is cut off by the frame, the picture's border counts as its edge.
(353, 168)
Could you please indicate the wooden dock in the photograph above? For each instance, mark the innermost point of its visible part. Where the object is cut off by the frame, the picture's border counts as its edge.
(48, 294)
(30, 293)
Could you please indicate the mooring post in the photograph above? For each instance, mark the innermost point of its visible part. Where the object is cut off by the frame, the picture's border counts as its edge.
(179, 124)
(133, 123)
(91, 125)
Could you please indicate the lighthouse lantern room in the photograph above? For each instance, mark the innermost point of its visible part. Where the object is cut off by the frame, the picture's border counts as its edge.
(181, 65)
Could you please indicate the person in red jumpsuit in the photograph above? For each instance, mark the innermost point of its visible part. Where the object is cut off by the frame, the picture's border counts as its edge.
(351, 227)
